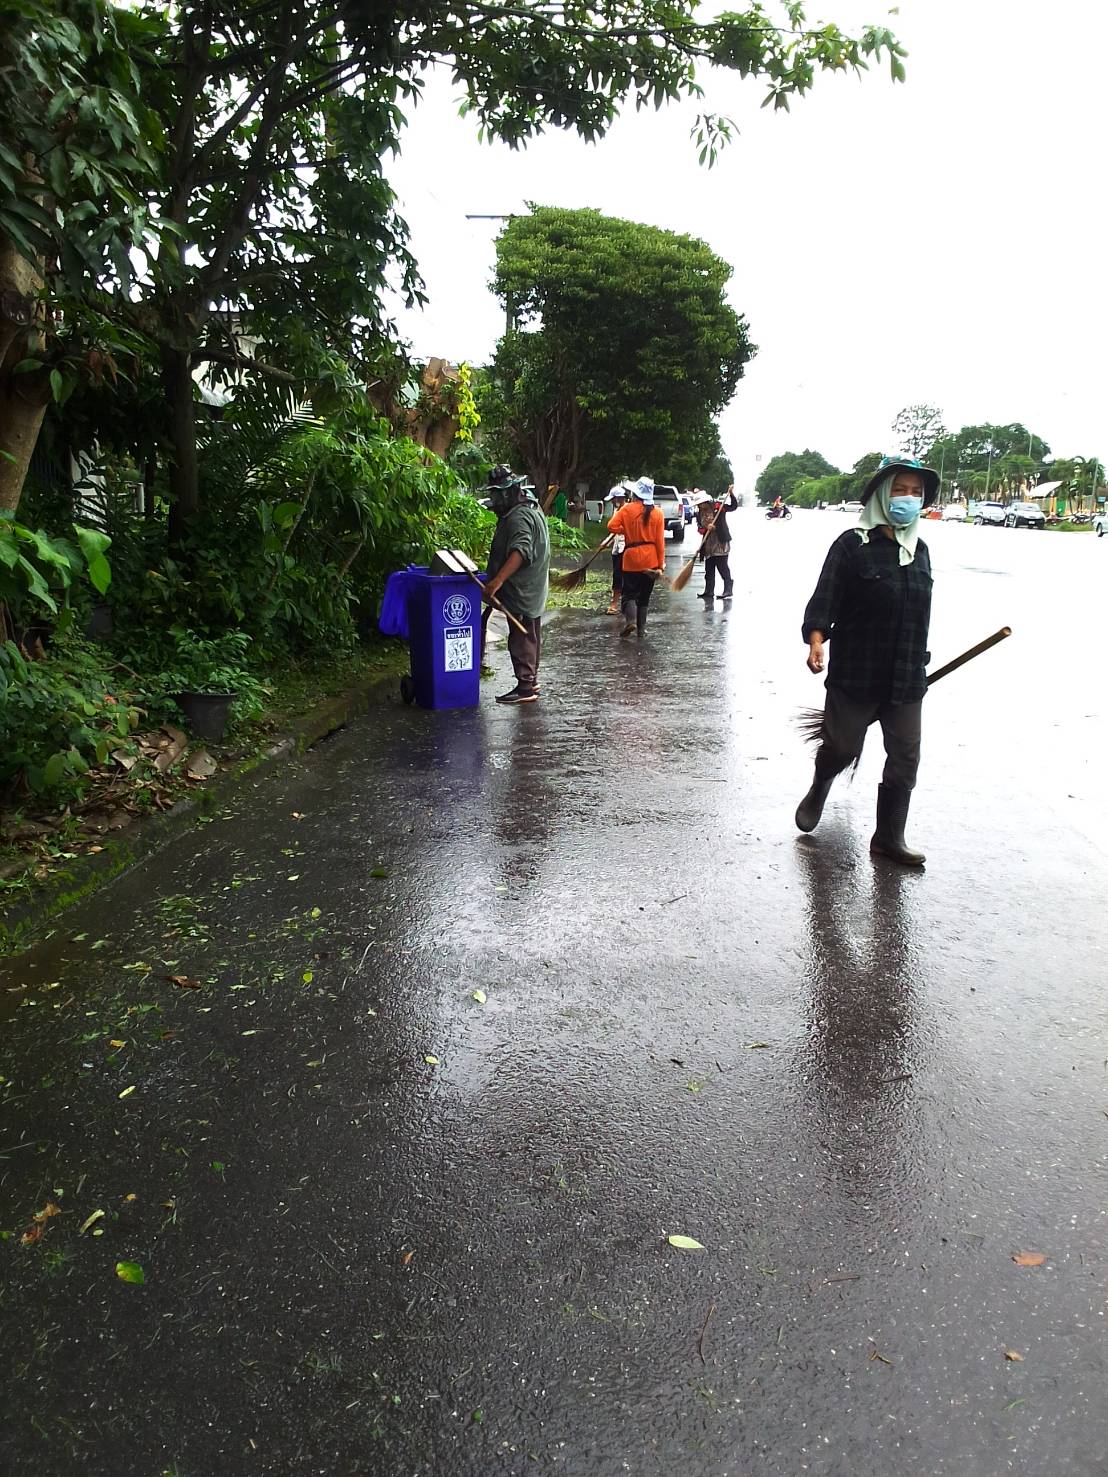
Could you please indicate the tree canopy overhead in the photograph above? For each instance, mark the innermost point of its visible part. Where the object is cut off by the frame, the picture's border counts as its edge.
(268, 216)
(624, 349)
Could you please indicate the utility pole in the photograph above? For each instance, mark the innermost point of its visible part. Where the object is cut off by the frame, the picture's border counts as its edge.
(509, 308)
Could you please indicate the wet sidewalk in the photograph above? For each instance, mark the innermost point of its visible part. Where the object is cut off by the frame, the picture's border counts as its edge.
(396, 1086)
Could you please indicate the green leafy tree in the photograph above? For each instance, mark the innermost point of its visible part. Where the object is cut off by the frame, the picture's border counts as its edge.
(79, 159)
(988, 457)
(815, 490)
(277, 223)
(716, 476)
(624, 352)
(782, 474)
(918, 427)
(855, 481)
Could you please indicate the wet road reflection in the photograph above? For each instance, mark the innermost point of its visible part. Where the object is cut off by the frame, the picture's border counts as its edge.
(861, 1090)
(863, 1051)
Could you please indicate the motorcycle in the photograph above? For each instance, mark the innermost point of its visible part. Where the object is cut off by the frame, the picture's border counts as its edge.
(784, 512)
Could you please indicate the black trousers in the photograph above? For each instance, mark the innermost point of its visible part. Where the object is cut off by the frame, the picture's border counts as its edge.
(617, 573)
(713, 562)
(637, 588)
(845, 721)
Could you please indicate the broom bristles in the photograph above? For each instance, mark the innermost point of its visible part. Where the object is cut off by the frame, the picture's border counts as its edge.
(810, 723)
(569, 579)
(683, 575)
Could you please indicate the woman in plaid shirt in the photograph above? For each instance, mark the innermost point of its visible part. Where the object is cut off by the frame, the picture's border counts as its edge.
(873, 604)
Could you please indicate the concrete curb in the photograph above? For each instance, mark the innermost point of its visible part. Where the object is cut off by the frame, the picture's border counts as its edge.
(69, 885)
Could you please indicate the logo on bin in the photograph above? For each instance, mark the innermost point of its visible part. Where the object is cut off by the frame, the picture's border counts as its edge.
(456, 610)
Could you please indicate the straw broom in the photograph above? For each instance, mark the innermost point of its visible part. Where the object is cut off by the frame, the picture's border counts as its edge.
(572, 579)
(810, 720)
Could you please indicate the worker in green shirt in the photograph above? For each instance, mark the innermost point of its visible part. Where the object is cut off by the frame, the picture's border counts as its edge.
(518, 575)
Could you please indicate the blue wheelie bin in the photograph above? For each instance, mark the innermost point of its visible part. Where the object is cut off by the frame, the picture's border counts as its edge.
(444, 636)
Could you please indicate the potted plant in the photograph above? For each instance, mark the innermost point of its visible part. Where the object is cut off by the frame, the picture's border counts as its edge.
(206, 676)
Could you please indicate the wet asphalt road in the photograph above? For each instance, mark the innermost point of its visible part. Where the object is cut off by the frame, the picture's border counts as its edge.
(863, 1091)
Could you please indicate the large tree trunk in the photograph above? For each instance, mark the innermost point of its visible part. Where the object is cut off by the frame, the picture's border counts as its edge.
(184, 469)
(23, 397)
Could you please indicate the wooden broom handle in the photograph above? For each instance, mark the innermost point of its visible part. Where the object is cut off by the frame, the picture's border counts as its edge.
(968, 656)
(496, 605)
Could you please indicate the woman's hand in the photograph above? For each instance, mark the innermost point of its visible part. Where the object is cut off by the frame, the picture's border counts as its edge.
(815, 652)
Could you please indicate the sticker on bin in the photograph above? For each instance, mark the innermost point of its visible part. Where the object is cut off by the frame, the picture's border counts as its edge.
(456, 611)
(459, 649)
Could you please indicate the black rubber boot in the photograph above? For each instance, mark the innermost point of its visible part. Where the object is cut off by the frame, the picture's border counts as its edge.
(628, 627)
(642, 621)
(810, 809)
(888, 839)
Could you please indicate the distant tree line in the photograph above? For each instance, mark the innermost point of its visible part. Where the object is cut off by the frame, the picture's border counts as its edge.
(998, 461)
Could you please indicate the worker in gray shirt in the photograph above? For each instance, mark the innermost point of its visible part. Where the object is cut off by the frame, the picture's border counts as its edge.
(518, 575)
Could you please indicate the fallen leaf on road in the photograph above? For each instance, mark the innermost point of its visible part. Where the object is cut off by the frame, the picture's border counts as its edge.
(128, 1198)
(115, 1045)
(30, 1237)
(1028, 1258)
(130, 1272)
(684, 1243)
(183, 981)
(124, 760)
(756, 1045)
(432, 1061)
(91, 1221)
(880, 1357)
(379, 872)
(48, 1210)
(1010, 1354)
(406, 1258)
(127, 1091)
(169, 754)
(480, 996)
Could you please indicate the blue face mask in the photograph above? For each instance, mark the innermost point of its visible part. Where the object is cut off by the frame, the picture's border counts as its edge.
(904, 510)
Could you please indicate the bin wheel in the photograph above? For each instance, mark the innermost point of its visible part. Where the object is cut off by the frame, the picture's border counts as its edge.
(407, 690)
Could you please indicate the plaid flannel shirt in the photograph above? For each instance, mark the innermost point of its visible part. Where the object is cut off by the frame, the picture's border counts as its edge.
(875, 612)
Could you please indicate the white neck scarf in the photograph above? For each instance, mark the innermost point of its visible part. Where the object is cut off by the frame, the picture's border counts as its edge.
(875, 514)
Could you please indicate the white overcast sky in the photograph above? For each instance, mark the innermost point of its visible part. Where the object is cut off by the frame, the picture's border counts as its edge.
(940, 240)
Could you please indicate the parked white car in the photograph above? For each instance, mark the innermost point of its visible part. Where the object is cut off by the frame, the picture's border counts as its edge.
(1100, 523)
(954, 513)
(989, 513)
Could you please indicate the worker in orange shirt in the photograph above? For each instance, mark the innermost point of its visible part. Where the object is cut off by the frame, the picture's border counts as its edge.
(644, 553)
